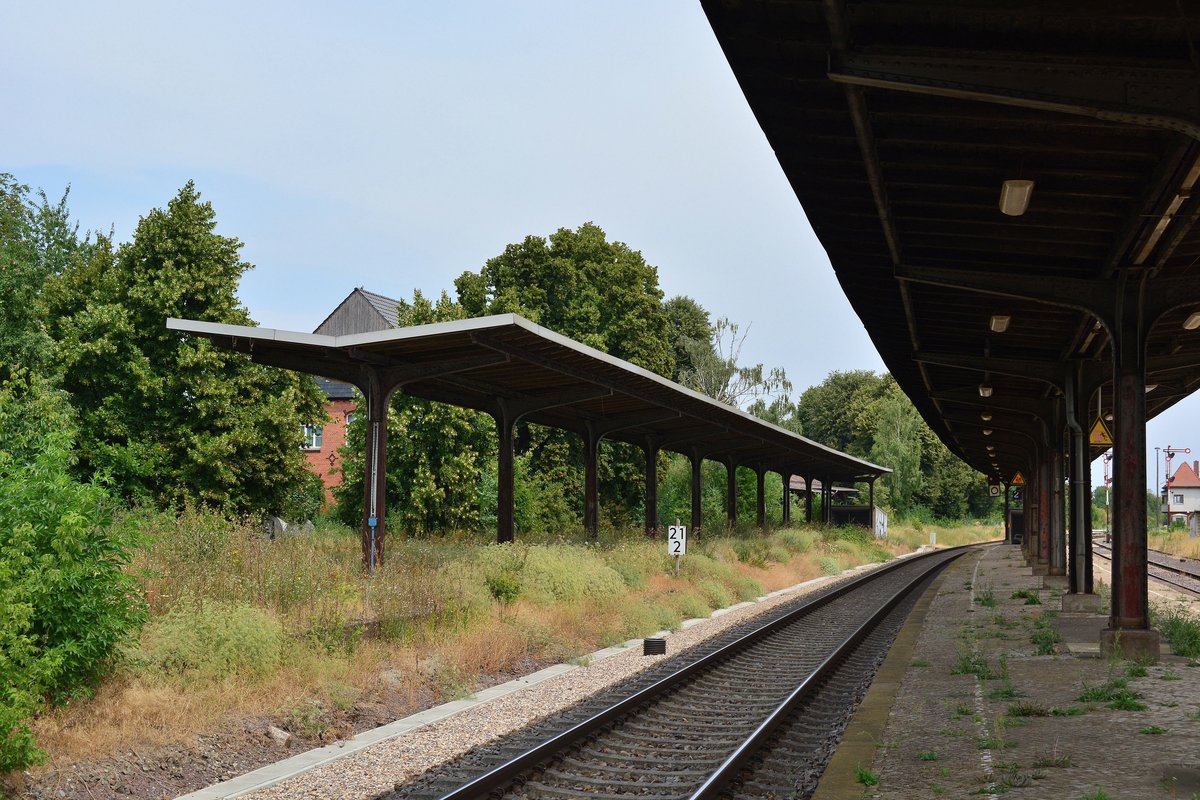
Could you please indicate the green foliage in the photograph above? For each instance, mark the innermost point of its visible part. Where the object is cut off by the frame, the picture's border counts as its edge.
(1179, 627)
(687, 326)
(505, 588)
(209, 641)
(37, 241)
(829, 565)
(172, 418)
(600, 293)
(1045, 634)
(66, 603)
(865, 776)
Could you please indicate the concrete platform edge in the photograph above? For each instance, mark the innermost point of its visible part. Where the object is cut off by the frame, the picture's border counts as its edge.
(866, 728)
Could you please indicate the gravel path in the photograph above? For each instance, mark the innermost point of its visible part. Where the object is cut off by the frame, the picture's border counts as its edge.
(377, 769)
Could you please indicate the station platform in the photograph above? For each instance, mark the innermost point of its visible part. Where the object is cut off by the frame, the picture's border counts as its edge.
(966, 705)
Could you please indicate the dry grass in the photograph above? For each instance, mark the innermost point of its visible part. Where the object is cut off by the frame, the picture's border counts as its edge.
(427, 624)
(1176, 542)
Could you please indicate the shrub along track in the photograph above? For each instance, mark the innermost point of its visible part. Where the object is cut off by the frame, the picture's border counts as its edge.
(755, 713)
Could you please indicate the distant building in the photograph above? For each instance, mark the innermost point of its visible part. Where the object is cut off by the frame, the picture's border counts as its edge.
(1181, 496)
(360, 312)
(322, 442)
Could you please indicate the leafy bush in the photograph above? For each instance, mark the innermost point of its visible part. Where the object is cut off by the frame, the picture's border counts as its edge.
(829, 565)
(1179, 628)
(715, 594)
(213, 641)
(66, 604)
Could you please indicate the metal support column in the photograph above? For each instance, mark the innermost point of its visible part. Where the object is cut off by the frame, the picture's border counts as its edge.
(731, 494)
(1081, 489)
(651, 449)
(697, 511)
(761, 499)
(787, 499)
(591, 480)
(1129, 626)
(871, 505)
(1058, 534)
(504, 473)
(1043, 495)
(808, 483)
(374, 526)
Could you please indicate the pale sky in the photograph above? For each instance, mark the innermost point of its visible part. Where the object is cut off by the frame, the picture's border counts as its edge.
(395, 145)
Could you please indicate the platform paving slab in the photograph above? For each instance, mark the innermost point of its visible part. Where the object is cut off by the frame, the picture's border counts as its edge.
(972, 709)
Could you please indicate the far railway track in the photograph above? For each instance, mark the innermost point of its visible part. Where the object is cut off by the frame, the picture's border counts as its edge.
(1182, 573)
(756, 714)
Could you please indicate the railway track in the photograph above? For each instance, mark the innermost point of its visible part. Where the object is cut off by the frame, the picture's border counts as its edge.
(1182, 573)
(755, 714)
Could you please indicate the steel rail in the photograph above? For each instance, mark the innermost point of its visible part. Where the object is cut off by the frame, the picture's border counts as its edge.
(503, 774)
(729, 769)
(1192, 587)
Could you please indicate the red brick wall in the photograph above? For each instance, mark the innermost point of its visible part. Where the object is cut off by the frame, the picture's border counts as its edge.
(326, 462)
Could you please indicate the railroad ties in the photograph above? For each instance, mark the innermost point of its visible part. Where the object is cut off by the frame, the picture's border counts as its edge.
(755, 713)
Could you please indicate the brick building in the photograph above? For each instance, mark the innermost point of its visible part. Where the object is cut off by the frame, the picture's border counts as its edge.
(321, 443)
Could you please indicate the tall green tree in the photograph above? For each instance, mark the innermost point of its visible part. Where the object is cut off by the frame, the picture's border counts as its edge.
(581, 285)
(832, 412)
(172, 418)
(603, 294)
(898, 444)
(37, 240)
(688, 326)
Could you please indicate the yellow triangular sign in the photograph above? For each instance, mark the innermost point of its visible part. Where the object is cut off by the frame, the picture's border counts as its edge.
(1018, 480)
(1100, 435)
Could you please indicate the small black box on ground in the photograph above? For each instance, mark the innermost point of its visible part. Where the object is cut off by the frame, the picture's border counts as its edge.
(654, 647)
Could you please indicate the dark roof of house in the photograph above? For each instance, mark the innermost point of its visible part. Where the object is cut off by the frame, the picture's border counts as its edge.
(361, 312)
(336, 390)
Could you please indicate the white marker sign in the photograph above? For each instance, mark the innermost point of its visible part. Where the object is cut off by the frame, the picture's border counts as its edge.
(676, 540)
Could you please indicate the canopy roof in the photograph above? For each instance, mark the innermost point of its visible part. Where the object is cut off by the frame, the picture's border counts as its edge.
(550, 379)
(897, 123)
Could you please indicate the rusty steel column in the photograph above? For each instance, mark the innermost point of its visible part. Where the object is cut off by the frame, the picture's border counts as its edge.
(871, 505)
(1129, 625)
(808, 482)
(697, 511)
(591, 480)
(731, 494)
(1043, 495)
(504, 474)
(787, 499)
(1058, 533)
(1081, 581)
(760, 508)
(651, 448)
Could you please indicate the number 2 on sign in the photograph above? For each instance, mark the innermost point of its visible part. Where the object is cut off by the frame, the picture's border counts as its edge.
(676, 540)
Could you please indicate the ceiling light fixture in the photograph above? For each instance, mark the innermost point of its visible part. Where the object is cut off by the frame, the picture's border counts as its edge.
(987, 431)
(986, 416)
(985, 390)
(999, 322)
(1192, 322)
(1014, 197)
(1150, 387)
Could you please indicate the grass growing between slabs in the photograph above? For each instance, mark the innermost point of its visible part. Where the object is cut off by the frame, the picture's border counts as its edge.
(290, 629)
